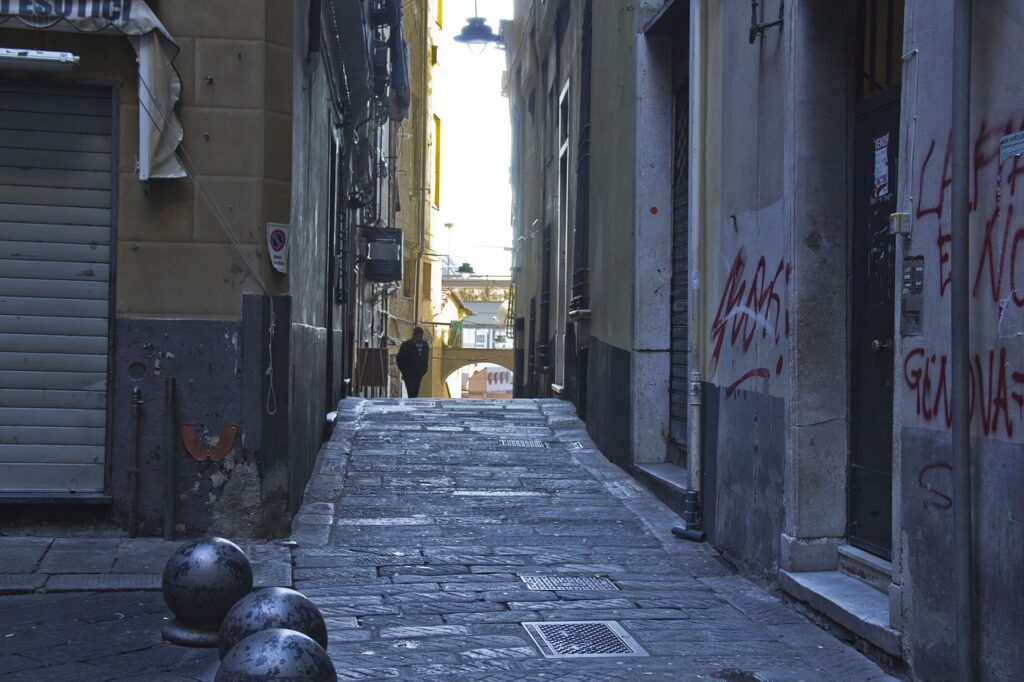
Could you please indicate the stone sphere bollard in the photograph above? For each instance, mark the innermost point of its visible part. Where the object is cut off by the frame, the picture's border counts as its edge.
(272, 608)
(277, 654)
(202, 580)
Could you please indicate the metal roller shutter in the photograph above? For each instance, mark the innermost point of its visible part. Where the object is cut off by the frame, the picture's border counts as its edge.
(680, 282)
(56, 182)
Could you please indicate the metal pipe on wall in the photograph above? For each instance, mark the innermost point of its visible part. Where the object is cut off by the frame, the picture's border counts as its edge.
(133, 470)
(695, 219)
(170, 488)
(963, 504)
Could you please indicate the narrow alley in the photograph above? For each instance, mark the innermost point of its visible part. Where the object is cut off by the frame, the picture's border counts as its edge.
(430, 533)
(421, 555)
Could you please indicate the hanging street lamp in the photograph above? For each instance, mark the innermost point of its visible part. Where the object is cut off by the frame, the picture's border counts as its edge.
(477, 32)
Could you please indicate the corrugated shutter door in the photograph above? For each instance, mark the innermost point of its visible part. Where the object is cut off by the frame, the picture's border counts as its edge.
(55, 228)
(678, 393)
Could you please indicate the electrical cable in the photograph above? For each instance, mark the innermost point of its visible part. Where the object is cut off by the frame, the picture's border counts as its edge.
(222, 221)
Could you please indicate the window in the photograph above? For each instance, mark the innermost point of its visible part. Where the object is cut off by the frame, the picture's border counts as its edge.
(881, 30)
(437, 161)
(426, 284)
(408, 277)
(433, 55)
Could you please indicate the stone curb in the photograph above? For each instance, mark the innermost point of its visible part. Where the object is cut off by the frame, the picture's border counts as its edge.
(312, 523)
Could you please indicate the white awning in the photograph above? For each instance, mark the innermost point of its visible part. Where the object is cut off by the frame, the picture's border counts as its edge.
(160, 131)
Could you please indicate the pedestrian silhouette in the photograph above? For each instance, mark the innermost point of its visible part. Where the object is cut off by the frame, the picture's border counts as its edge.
(413, 357)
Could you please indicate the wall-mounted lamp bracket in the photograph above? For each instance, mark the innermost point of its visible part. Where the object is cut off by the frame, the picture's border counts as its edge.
(759, 28)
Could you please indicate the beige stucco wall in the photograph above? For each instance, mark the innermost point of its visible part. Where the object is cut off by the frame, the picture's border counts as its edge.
(172, 257)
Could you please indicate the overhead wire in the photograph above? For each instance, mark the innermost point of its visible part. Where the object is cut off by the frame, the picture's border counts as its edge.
(192, 171)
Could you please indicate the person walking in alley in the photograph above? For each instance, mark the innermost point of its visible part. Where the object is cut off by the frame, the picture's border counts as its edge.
(413, 357)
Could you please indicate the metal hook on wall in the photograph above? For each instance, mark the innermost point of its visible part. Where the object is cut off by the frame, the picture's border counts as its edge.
(759, 29)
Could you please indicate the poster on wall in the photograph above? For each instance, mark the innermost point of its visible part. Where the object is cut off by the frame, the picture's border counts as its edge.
(881, 167)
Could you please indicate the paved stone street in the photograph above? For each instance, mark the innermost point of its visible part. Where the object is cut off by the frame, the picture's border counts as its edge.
(418, 528)
(417, 557)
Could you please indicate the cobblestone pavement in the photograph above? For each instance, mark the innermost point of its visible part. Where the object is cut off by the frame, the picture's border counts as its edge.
(76, 564)
(417, 555)
(418, 527)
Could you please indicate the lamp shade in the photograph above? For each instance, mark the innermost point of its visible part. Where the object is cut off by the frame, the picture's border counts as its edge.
(477, 32)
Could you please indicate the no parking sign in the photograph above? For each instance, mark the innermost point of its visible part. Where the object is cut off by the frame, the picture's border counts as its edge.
(277, 245)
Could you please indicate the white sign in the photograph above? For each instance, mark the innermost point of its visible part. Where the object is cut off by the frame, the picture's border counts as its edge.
(1011, 145)
(278, 237)
(881, 166)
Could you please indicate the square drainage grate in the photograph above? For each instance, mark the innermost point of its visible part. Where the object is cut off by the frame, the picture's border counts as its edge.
(522, 443)
(565, 583)
(583, 639)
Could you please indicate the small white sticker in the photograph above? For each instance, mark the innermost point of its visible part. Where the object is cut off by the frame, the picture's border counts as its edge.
(695, 279)
(881, 166)
(277, 245)
(1011, 145)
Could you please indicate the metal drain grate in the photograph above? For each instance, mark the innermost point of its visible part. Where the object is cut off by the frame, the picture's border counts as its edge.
(564, 583)
(522, 443)
(583, 639)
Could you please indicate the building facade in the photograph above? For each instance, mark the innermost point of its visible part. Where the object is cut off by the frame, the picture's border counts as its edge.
(155, 357)
(739, 216)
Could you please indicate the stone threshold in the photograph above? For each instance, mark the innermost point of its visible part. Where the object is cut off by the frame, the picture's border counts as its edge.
(667, 482)
(873, 570)
(847, 601)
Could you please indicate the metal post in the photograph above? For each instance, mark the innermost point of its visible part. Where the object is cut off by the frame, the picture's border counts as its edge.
(963, 504)
(133, 470)
(170, 489)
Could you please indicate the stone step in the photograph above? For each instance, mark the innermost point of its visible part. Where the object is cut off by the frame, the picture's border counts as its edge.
(872, 570)
(848, 602)
(667, 481)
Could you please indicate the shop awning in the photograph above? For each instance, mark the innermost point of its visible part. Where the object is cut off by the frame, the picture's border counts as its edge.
(160, 131)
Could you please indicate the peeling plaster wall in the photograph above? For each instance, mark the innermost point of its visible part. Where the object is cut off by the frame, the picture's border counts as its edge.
(923, 377)
(205, 360)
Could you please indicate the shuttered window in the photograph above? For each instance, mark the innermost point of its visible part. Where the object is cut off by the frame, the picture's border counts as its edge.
(56, 186)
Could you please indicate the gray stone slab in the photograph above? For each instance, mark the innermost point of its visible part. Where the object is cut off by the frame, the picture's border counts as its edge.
(103, 582)
(18, 583)
(21, 556)
(423, 631)
(79, 561)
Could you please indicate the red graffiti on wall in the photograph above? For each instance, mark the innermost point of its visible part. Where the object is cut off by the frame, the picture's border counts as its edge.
(994, 386)
(750, 308)
(940, 500)
(1000, 263)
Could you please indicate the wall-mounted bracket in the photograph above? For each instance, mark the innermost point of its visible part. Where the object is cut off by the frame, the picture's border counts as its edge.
(199, 452)
(760, 28)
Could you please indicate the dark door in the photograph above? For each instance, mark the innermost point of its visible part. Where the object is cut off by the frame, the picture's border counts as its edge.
(876, 128)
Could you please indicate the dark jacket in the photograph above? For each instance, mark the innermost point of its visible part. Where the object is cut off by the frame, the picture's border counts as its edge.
(413, 357)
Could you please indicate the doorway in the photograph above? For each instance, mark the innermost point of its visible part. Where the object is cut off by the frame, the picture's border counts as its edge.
(875, 137)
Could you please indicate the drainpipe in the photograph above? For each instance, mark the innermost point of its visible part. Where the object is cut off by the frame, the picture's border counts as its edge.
(170, 477)
(133, 470)
(692, 528)
(963, 505)
(424, 167)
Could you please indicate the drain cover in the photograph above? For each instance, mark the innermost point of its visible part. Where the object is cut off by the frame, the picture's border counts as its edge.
(583, 639)
(522, 443)
(563, 583)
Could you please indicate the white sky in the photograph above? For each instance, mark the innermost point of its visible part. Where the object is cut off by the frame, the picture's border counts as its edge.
(476, 138)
